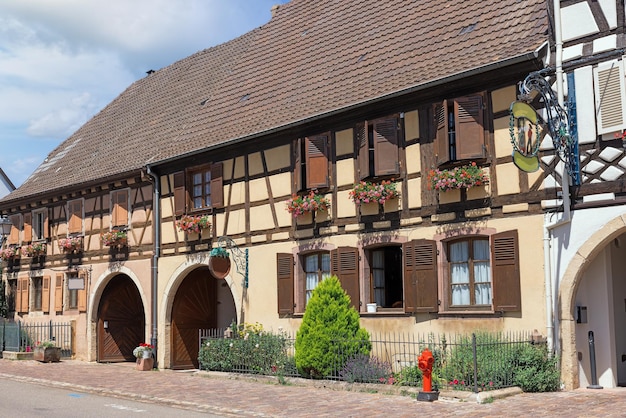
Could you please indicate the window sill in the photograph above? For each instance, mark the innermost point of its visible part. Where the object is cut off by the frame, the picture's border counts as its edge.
(385, 312)
(488, 313)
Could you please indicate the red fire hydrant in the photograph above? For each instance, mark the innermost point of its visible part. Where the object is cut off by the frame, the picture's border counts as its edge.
(425, 363)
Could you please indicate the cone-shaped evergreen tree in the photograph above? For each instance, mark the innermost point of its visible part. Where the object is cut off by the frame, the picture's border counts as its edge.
(330, 333)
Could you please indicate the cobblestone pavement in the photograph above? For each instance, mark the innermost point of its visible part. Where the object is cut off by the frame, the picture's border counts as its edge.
(229, 396)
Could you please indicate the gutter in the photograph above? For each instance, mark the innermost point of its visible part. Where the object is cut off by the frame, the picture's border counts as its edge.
(156, 204)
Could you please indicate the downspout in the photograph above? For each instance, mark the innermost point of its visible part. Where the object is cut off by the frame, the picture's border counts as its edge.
(156, 205)
(548, 227)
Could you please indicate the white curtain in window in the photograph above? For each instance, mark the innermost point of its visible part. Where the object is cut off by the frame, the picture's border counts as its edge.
(482, 273)
(459, 254)
(312, 276)
(378, 270)
(325, 266)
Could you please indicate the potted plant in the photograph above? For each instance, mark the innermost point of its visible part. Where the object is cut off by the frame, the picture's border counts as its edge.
(219, 262)
(115, 238)
(10, 253)
(299, 205)
(465, 176)
(143, 353)
(71, 244)
(46, 352)
(368, 192)
(188, 223)
(34, 250)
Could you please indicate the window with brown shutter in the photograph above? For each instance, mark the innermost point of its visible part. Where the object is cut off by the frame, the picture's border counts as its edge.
(285, 285)
(385, 267)
(199, 188)
(82, 293)
(14, 235)
(420, 276)
(40, 225)
(344, 263)
(45, 294)
(21, 299)
(28, 228)
(460, 129)
(37, 288)
(75, 216)
(180, 194)
(317, 157)
(58, 293)
(506, 272)
(119, 208)
(378, 146)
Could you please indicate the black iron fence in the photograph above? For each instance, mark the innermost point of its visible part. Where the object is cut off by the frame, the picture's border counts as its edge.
(23, 337)
(474, 362)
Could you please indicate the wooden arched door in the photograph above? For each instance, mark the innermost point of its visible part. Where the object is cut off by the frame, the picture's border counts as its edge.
(121, 320)
(194, 308)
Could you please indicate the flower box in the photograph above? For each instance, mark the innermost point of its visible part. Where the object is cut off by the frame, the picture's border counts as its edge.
(368, 192)
(300, 205)
(71, 245)
(114, 238)
(47, 354)
(34, 250)
(10, 253)
(463, 177)
(188, 223)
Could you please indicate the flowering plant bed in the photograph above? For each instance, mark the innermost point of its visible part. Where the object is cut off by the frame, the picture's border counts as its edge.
(144, 350)
(299, 205)
(367, 192)
(188, 223)
(34, 250)
(114, 238)
(466, 176)
(47, 352)
(71, 244)
(10, 253)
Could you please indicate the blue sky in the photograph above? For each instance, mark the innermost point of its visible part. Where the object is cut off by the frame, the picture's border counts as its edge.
(62, 61)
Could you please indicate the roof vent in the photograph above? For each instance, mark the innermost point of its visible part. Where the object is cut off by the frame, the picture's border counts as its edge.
(275, 9)
(468, 29)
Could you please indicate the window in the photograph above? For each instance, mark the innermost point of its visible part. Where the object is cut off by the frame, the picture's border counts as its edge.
(386, 277)
(610, 90)
(119, 208)
(37, 293)
(75, 216)
(14, 235)
(40, 225)
(198, 188)
(316, 269)
(12, 294)
(72, 295)
(460, 129)
(470, 272)
(378, 147)
(312, 171)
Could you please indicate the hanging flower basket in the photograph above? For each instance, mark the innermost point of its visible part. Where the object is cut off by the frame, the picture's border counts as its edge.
(368, 192)
(219, 262)
(466, 176)
(299, 205)
(10, 253)
(195, 224)
(114, 238)
(34, 250)
(71, 244)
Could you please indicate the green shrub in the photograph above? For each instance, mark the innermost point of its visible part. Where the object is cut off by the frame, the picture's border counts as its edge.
(365, 369)
(536, 370)
(409, 376)
(330, 333)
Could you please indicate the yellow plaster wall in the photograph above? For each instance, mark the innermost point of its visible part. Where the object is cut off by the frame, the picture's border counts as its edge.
(415, 193)
(258, 189)
(508, 179)
(236, 222)
(261, 217)
(277, 158)
(345, 172)
(345, 206)
(502, 138)
(502, 98)
(238, 194)
(413, 161)
(412, 125)
(255, 165)
(281, 185)
(344, 142)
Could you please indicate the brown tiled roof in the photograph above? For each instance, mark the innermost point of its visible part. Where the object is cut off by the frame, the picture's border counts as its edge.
(312, 58)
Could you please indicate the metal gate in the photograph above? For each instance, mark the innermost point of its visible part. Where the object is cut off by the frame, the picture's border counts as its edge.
(18, 336)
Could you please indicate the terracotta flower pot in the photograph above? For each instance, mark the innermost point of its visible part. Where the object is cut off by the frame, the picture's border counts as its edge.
(219, 266)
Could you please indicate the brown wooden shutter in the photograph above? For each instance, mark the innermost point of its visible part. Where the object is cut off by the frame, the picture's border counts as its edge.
(18, 296)
(45, 294)
(28, 227)
(82, 293)
(420, 276)
(46, 225)
(442, 146)
(470, 134)
(21, 304)
(344, 263)
(362, 147)
(316, 150)
(14, 236)
(297, 164)
(217, 185)
(120, 208)
(386, 147)
(180, 195)
(75, 217)
(505, 272)
(284, 267)
(58, 293)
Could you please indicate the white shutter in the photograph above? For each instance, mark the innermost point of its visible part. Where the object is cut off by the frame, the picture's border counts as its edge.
(610, 92)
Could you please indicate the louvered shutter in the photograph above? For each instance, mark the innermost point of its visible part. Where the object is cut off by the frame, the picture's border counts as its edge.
(58, 293)
(505, 272)
(82, 293)
(610, 92)
(442, 143)
(297, 164)
(45, 294)
(344, 263)
(28, 227)
(22, 294)
(284, 267)
(420, 276)
(46, 225)
(316, 148)
(386, 147)
(120, 208)
(470, 134)
(14, 235)
(217, 185)
(180, 195)
(75, 217)
(363, 157)
(18, 296)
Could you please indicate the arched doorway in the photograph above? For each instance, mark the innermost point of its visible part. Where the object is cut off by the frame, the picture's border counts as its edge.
(194, 308)
(121, 320)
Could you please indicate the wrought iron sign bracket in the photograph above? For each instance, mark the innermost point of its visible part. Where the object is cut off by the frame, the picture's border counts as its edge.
(240, 257)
